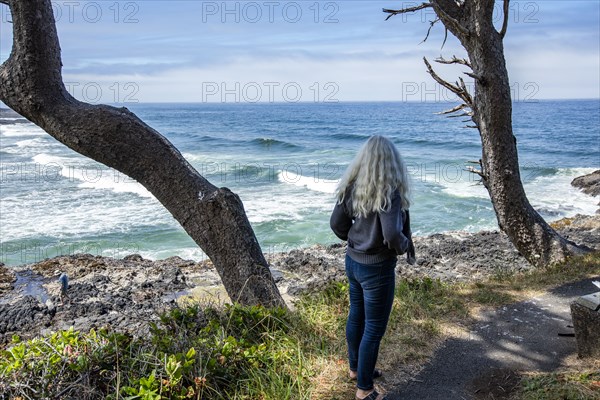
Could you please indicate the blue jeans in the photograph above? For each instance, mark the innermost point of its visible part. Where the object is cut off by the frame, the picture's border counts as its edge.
(371, 297)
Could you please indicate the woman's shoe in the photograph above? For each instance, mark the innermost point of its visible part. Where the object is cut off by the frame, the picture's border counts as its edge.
(373, 396)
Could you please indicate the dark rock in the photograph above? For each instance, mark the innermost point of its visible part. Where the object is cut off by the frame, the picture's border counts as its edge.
(277, 275)
(133, 257)
(589, 183)
(7, 279)
(127, 294)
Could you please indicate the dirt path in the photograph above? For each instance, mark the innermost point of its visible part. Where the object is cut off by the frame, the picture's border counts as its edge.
(484, 363)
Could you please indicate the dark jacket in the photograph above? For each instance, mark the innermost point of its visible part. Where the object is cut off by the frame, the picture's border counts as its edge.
(376, 237)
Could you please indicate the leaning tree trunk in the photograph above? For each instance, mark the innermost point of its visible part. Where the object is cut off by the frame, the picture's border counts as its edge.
(31, 84)
(471, 21)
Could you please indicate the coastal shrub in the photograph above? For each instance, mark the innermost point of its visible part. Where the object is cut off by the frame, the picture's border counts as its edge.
(190, 353)
(237, 352)
(51, 366)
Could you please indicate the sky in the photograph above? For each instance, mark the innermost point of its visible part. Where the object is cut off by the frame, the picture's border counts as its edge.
(313, 51)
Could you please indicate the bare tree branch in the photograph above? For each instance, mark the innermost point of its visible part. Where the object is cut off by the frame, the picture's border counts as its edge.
(477, 77)
(431, 24)
(458, 89)
(453, 110)
(490, 113)
(505, 22)
(447, 4)
(473, 170)
(413, 9)
(31, 84)
(476, 171)
(454, 89)
(454, 60)
(467, 96)
(403, 10)
(445, 36)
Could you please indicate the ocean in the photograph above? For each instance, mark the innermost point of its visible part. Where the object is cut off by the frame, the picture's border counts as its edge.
(284, 161)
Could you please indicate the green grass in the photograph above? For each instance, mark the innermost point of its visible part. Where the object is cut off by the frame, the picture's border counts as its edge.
(234, 352)
(573, 385)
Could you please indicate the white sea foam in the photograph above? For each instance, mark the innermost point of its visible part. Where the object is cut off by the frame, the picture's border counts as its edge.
(264, 205)
(312, 183)
(455, 181)
(63, 214)
(553, 195)
(118, 183)
(36, 142)
(289, 201)
(17, 130)
(29, 147)
(44, 158)
(92, 175)
(283, 202)
(194, 158)
(187, 253)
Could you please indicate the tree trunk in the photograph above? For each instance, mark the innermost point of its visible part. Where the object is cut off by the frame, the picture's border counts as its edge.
(491, 109)
(31, 84)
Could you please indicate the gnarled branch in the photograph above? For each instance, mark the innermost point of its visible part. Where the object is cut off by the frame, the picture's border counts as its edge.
(453, 110)
(476, 171)
(473, 170)
(475, 76)
(454, 60)
(505, 20)
(465, 114)
(492, 109)
(458, 89)
(445, 36)
(31, 84)
(465, 92)
(406, 10)
(431, 24)
(454, 89)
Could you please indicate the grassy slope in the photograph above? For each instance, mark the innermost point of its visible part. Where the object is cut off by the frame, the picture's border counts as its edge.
(233, 352)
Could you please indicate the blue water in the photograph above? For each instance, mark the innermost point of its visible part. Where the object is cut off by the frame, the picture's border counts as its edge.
(283, 160)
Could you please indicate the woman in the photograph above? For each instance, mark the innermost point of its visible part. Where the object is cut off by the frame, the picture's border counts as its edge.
(371, 197)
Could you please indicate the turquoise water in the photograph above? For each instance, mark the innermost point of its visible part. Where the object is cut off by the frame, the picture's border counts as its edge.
(283, 160)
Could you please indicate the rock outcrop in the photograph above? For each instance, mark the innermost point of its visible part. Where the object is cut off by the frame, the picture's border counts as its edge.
(126, 294)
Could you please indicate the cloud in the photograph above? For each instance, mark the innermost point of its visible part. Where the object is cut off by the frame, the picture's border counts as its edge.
(169, 53)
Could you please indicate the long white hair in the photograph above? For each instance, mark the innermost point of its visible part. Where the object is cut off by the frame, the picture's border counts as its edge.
(374, 175)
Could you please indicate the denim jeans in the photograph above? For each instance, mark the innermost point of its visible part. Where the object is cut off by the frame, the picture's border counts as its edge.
(371, 298)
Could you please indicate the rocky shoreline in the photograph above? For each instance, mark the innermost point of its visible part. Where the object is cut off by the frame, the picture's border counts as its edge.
(125, 294)
(589, 184)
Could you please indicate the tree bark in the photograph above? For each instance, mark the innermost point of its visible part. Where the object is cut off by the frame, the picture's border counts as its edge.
(491, 111)
(31, 84)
